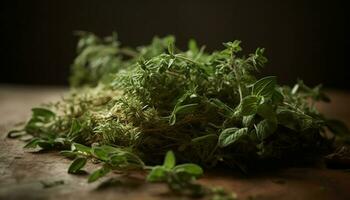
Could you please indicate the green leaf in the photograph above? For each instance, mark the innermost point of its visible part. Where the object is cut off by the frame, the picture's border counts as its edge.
(204, 138)
(118, 160)
(45, 144)
(190, 168)
(294, 120)
(192, 46)
(248, 106)
(265, 128)
(68, 154)
(98, 174)
(171, 61)
(267, 111)
(169, 161)
(76, 165)
(248, 121)
(277, 97)
(81, 148)
(110, 149)
(265, 87)
(43, 112)
(133, 159)
(100, 153)
(74, 129)
(234, 46)
(231, 135)
(181, 110)
(32, 144)
(171, 48)
(158, 173)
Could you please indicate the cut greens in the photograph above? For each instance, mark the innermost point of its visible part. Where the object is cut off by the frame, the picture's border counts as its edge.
(129, 107)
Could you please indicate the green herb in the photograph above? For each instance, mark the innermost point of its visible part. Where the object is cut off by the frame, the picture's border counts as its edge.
(129, 107)
(181, 179)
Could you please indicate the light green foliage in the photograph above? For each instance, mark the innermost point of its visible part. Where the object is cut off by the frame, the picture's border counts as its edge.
(130, 106)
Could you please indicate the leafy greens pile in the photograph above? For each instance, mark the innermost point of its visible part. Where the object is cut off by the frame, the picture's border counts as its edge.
(128, 107)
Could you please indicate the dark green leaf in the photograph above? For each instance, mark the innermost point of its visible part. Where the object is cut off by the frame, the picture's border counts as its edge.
(265, 128)
(76, 165)
(267, 111)
(100, 153)
(33, 143)
(248, 121)
(204, 138)
(69, 154)
(181, 109)
(265, 87)
(98, 174)
(118, 160)
(45, 144)
(294, 120)
(248, 106)
(43, 112)
(231, 135)
(277, 97)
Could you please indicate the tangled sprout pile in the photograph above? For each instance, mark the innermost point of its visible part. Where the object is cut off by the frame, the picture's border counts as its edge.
(208, 108)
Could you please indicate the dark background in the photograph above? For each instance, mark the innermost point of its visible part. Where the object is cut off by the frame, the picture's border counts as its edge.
(303, 39)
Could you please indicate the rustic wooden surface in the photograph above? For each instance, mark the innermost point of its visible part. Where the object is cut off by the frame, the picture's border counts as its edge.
(22, 173)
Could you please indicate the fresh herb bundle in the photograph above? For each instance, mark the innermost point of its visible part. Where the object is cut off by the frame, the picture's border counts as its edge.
(128, 107)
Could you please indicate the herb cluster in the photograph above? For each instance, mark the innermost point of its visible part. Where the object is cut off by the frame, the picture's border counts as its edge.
(128, 107)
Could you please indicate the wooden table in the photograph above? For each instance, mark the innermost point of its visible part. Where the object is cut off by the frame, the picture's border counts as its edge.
(22, 173)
